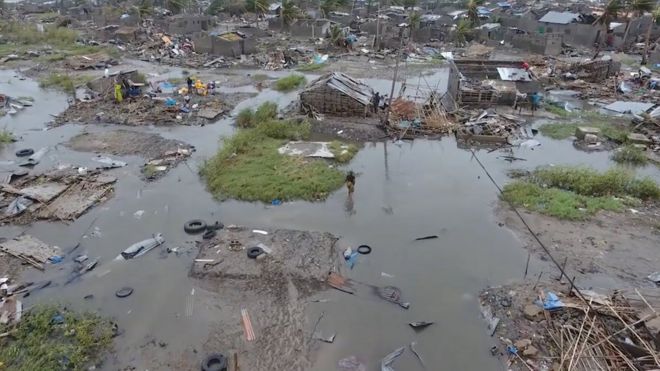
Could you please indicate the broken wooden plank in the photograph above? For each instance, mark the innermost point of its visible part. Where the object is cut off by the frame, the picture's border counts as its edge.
(29, 249)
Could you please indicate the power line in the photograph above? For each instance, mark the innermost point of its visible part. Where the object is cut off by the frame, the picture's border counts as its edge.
(552, 258)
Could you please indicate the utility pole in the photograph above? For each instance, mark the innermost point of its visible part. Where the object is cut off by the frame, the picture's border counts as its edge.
(376, 43)
(389, 104)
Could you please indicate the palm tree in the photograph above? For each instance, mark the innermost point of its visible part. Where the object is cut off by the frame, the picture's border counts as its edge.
(473, 11)
(463, 29)
(335, 35)
(610, 13)
(414, 18)
(655, 18)
(259, 7)
(637, 8)
(288, 13)
(328, 6)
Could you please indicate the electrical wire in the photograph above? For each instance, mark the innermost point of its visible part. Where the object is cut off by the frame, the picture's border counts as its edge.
(552, 258)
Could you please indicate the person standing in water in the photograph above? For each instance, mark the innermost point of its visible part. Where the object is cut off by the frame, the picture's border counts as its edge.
(350, 182)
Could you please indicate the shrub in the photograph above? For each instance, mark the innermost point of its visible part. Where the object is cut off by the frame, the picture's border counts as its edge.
(290, 82)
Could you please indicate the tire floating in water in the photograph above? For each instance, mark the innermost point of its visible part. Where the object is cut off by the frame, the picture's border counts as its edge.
(194, 226)
(253, 252)
(124, 292)
(24, 152)
(364, 249)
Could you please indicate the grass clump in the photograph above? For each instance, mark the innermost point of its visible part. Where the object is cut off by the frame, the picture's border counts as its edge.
(343, 152)
(247, 118)
(41, 342)
(6, 137)
(259, 77)
(556, 110)
(629, 154)
(290, 82)
(311, 67)
(557, 202)
(567, 129)
(575, 193)
(63, 82)
(250, 168)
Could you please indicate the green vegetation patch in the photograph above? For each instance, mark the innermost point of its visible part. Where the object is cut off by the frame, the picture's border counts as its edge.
(290, 82)
(343, 152)
(567, 129)
(629, 154)
(310, 67)
(64, 82)
(53, 338)
(250, 168)
(575, 193)
(6, 137)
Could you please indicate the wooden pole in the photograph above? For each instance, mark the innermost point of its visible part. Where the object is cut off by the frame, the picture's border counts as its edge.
(389, 104)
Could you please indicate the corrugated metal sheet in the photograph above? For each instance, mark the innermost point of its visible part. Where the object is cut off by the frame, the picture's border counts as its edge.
(513, 74)
(629, 107)
(559, 17)
(345, 84)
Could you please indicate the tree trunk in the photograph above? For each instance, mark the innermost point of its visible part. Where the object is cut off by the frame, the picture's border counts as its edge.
(647, 42)
(625, 35)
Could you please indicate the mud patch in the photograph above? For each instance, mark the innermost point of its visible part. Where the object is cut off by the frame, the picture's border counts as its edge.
(272, 288)
(161, 154)
(356, 129)
(622, 245)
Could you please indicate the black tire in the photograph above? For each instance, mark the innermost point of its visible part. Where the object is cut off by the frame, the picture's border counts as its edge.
(124, 292)
(364, 249)
(210, 233)
(24, 152)
(253, 252)
(194, 226)
(215, 362)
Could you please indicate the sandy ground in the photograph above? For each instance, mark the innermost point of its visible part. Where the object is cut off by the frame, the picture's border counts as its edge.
(274, 289)
(124, 142)
(350, 128)
(622, 245)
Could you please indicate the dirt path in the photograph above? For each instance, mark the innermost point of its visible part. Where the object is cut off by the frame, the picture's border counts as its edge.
(622, 245)
(273, 289)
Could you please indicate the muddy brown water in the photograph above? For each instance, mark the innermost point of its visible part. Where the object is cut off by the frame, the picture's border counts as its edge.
(403, 191)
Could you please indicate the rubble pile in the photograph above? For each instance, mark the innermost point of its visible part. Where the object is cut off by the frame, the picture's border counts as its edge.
(585, 330)
(61, 195)
(488, 126)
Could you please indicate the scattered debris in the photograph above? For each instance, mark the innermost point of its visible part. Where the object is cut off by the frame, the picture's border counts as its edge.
(386, 362)
(420, 325)
(30, 250)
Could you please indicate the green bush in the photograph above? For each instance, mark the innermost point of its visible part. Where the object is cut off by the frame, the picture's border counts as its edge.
(290, 82)
(245, 118)
(589, 182)
(285, 129)
(266, 111)
(38, 343)
(556, 202)
(630, 154)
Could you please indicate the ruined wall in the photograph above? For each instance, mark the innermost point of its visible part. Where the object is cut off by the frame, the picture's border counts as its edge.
(326, 100)
(534, 43)
(422, 35)
(449, 100)
(654, 58)
(525, 22)
(309, 29)
(553, 44)
(203, 43)
(576, 33)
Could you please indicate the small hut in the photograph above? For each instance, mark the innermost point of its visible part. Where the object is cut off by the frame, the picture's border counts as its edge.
(337, 94)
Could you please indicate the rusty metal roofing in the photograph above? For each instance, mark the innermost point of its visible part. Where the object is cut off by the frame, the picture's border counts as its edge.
(345, 84)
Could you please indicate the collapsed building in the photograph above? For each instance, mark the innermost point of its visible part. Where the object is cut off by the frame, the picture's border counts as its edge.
(337, 94)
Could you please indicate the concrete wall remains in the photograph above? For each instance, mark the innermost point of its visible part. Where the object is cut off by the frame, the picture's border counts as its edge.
(187, 24)
(214, 45)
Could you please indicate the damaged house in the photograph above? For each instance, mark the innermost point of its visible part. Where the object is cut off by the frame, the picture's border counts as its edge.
(229, 44)
(337, 94)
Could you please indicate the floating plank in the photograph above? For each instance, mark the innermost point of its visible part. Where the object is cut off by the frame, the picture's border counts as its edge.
(29, 249)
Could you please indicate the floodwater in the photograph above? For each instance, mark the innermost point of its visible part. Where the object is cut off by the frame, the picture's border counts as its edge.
(403, 191)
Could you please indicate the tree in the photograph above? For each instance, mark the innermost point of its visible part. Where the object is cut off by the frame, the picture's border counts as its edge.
(328, 6)
(259, 7)
(610, 13)
(289, 12)
(176, 6)
(655, 18)
(473, 10)
(145, 8)
(336, 35)
(636, 8)
(463, 30)
(414, 18)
